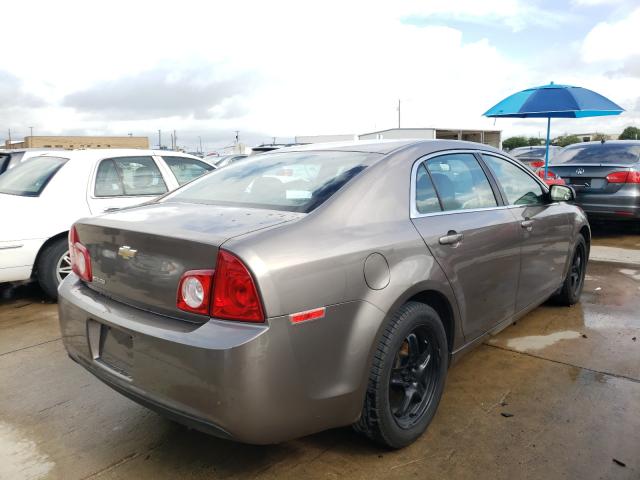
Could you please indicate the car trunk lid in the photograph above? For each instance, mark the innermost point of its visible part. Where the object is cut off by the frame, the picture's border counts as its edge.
(138, 255)
(590, 178)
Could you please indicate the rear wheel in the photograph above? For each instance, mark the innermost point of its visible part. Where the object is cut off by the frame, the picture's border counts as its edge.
(573, 283)
(407, 377)
(53, 266)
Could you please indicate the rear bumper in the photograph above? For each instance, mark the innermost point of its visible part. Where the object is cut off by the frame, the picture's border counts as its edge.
(624, 204)
(252, 383)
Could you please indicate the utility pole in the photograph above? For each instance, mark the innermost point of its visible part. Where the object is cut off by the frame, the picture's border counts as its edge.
(159, 139)
(200, 142)
(237, 136)
(31, 131)
(398, 113)
(9, 138)
(175, 140)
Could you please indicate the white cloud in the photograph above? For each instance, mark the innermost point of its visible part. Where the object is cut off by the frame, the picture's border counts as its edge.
(592, 3)
(515, 14)
(301, 68)
(611, 41)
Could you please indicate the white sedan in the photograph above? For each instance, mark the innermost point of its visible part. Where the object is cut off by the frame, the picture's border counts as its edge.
(41, 197)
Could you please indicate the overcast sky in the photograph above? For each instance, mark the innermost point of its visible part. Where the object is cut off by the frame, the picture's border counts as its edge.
(286, 68)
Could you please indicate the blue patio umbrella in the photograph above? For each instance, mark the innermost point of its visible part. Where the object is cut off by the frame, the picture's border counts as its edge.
(554, 101)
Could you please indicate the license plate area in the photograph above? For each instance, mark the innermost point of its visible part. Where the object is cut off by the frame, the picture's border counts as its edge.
(111, 348)
(587, 183)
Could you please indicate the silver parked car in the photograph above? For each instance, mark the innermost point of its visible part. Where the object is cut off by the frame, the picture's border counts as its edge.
(318, 286)
(605, 177)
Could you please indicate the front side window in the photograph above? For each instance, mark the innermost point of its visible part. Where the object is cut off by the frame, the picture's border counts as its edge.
(186, 169)
(129, 176)
(292, 181)
(517, 185)
(28, 179)
(426, 198)
(460, 182)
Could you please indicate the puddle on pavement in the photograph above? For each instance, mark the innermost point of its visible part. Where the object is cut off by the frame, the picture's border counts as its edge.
(19, 456)
(539, 342)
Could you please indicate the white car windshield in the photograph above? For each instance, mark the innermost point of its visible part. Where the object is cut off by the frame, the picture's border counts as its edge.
(29, 179)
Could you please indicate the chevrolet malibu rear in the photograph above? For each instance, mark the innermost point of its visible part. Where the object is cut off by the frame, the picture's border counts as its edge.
(308, 288)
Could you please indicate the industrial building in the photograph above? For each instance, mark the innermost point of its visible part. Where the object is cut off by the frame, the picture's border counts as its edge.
(326, 138)
(69, 142)
(487, 137)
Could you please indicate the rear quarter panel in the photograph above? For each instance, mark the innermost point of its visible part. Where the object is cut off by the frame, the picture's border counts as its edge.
(319, 261)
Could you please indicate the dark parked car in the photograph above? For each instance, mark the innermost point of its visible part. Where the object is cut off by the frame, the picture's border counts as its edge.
(605, 177)
(316, 287)
(533, 157)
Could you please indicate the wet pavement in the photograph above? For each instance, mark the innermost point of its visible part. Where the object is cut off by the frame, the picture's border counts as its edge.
(570, 378)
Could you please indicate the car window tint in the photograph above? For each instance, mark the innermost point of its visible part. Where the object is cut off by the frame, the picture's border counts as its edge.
(517, 185)
(129, 176)
(426, 198)
(596, 153)
(186, 169)
(460, 182)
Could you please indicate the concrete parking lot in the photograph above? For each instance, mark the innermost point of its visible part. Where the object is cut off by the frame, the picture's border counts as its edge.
(556, 395)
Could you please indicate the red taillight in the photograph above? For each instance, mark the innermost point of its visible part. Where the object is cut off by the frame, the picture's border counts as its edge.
(228, 293)
(624, 177)
(537, 164)
(194, 291)
(80, 258)
(550, 174)
(235, 296)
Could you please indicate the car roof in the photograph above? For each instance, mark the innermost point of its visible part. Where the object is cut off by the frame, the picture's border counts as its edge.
(606, 142)
(100, 153)
(388, 146)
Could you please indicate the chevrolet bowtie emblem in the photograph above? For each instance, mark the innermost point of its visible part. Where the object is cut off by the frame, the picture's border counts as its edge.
(127, 252)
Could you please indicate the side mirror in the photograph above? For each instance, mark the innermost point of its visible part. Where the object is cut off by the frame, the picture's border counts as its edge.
(561, 193)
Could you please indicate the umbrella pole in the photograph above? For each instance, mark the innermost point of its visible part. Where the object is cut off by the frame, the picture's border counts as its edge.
(546, 153)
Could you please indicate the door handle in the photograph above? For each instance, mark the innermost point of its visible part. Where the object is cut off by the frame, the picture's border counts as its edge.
(110, 209)
(451, 238)
(527, 224)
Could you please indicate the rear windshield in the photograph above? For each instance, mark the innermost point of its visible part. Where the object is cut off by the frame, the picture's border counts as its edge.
(533, 153)
(292, 181)
(599, 153)
(29, 178)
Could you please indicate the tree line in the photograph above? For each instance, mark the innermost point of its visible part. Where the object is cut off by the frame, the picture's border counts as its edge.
(629, 133)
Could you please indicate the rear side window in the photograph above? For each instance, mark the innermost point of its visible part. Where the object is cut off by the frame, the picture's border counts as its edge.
(129, 176)
(30, 178)
(599, 153)
(517, 185)
(186, 169)
(426, 198)
(460, 182)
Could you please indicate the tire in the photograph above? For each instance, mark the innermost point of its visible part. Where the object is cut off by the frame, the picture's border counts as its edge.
(46, 268)
(398, 362)
(574, 282)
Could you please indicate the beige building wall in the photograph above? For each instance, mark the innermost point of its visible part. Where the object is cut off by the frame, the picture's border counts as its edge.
(488, 137)
(80, 142)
